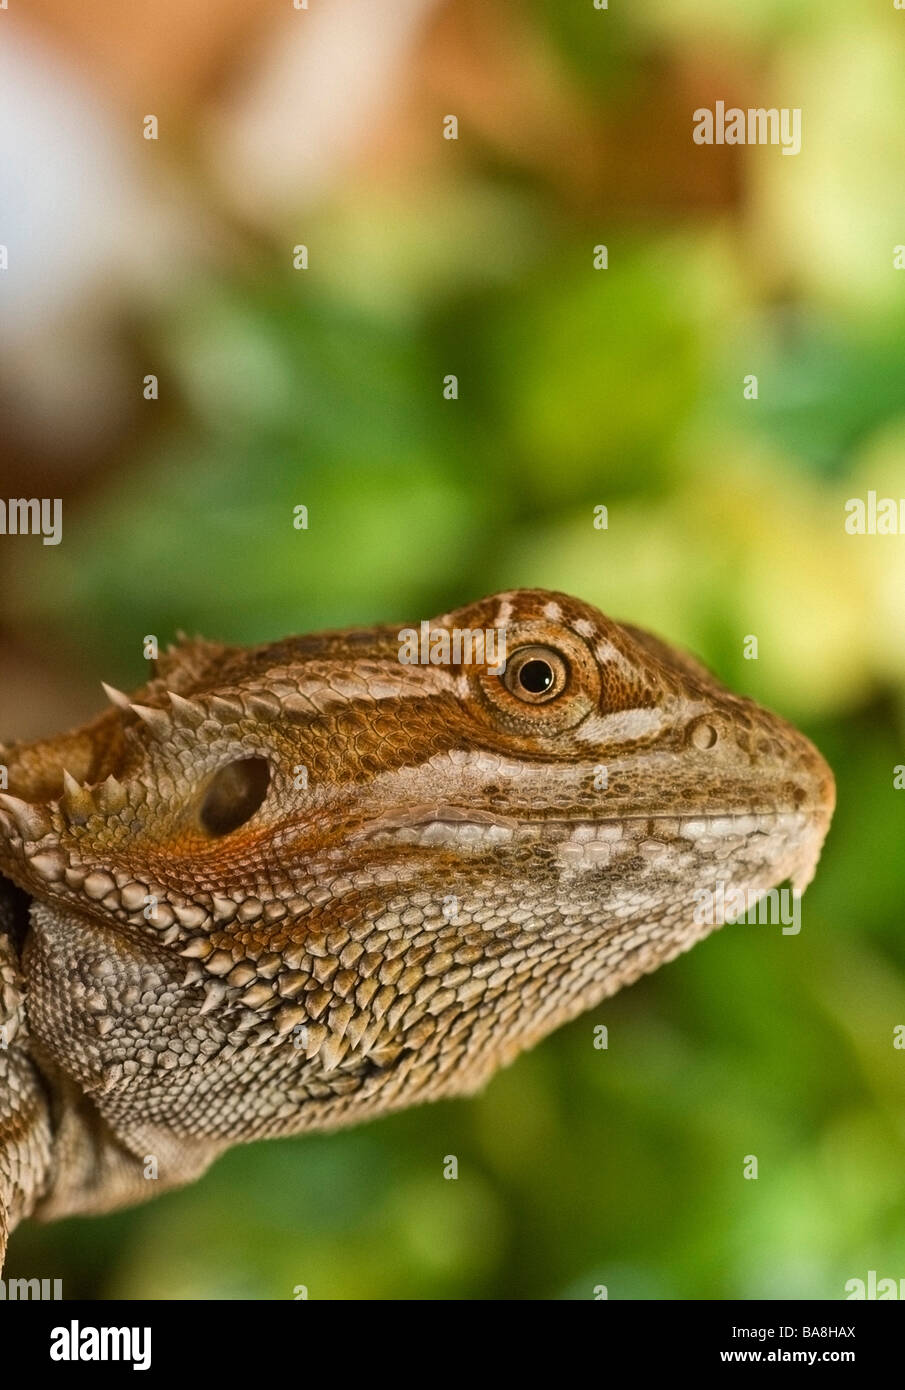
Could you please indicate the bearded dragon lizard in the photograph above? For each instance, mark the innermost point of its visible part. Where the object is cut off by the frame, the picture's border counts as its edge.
(302, 885)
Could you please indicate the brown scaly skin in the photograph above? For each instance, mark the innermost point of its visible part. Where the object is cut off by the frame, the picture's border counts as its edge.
(450, 886)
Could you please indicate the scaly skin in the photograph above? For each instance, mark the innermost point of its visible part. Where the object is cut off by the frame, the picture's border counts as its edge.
(190, 968)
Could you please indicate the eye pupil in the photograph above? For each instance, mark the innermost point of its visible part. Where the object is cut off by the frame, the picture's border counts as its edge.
(234, 794)
(535, 676)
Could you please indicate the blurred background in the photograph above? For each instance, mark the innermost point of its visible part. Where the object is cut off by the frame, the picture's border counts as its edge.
(323, 387)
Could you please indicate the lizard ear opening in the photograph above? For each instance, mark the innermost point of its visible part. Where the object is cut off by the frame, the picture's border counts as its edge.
(234, 794)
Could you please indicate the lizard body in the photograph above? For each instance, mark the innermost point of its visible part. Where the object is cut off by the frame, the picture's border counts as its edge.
(305, 884)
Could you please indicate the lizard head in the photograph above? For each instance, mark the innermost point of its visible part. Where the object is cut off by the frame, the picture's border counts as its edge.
(300, 884)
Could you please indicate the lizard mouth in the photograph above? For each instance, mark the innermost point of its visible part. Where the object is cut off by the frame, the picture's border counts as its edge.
(453, 826)
(667, 845)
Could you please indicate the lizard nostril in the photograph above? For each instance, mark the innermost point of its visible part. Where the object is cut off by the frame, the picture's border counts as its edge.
(704, 735)
(234, 794)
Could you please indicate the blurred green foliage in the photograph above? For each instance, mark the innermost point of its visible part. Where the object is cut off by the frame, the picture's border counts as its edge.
(577, 1167)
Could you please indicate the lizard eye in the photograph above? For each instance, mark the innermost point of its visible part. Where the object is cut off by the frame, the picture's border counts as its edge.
(550, 682)
(234, 794)
(536, 675)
